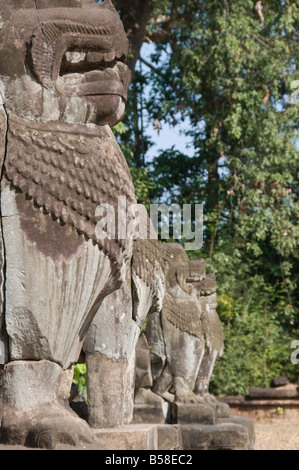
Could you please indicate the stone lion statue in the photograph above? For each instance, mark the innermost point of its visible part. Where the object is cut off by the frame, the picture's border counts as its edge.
(214, 345)
(63, 83)
(112, 337)
(186, 338)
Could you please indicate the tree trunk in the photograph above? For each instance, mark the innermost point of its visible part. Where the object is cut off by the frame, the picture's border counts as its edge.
(135, 15)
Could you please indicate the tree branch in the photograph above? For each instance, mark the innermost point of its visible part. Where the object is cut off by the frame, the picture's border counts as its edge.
(151, 66)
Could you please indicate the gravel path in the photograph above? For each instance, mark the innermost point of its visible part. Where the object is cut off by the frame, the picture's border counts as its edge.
(276, 437)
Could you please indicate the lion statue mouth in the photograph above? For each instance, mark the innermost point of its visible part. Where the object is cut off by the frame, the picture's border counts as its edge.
(82, 59)
(91, 78)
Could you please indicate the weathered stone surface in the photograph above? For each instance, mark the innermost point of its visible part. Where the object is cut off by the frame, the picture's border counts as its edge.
(150, 414)
(57, 170)
(2, 352)
(73, 393)
(63, 82)
(169, 437)
(185, 413)
(113, 335)
(223, 410)
(206, 291)
(131, 437)
(3, 130)
(148, 279)
(215, 437)
(97, 27)
(63, 447)
(110, 353)
(108, 391)
(279, 381)
(148, 406)
(1, 392)
(66, 386)
(32, 413)
(267, 410)
(245, 422)
(143, 373)
(112, 332)
(21, 380)
(40, 293)
(289, 391)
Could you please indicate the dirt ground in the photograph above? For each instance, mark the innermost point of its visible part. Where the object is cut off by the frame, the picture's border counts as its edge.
(276, 437)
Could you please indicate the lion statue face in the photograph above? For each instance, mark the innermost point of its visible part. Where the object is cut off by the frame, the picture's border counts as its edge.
(180, 272)
(63, 61)
(206, 291)
(182, 276)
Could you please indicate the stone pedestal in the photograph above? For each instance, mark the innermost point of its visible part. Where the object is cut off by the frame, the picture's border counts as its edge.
(196, 428)
(1, 392)
(242, 421)
(142, 437)
(193, 413)
(231, 435)
(34, 411)
(170, 437)
(151, 414)
(116, 407)
(130, 437)
(223, 436)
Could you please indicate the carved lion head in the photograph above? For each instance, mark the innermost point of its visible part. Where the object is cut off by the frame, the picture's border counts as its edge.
(181, 273)
(63, 60)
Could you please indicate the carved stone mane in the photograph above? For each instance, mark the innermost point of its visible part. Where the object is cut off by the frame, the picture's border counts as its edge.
(68, 171)
(63, 84)
(184, 314)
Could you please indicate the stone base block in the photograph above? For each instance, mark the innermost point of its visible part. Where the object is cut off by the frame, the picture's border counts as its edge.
(1, 391)
(130, 437)
(58, 447)
(169, 437)
(224, 436)
(150, 414)
(243, 421)
(193, 413)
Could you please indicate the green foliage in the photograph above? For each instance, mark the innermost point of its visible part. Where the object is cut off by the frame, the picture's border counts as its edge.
(257, 339)
(227, 71)
(79, 379)
(134, 142)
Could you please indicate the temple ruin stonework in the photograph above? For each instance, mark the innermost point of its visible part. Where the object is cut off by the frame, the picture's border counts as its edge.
(63, 83)
(67, 292)
(176, 357)
(112, 337)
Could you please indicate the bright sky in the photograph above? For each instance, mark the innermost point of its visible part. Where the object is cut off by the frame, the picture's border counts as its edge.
(168, 135)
